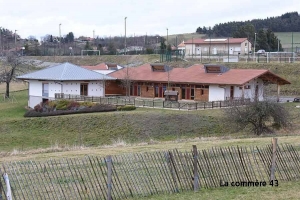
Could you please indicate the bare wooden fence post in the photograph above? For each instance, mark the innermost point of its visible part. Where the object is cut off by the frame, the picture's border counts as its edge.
(1, 188)
(172, 169)
(196, 176)
(273, 165)
(109, 176)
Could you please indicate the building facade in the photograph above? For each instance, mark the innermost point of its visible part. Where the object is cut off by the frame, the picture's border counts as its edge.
(225, 46)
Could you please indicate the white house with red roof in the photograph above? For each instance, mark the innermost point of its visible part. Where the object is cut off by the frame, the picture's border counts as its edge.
(220, 46)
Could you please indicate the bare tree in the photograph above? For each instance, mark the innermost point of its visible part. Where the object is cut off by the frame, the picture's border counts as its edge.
(126, 80)
(8, 68)
(259, 116)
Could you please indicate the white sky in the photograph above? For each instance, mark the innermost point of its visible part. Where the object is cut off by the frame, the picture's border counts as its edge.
(40, 17)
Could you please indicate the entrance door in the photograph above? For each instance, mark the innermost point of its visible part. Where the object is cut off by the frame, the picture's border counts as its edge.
(188, 93)
(182, 93)
(135, 90)
(231, 50)
(84, 89)
(192, 93)
(231, 92)
(256, 93)
(160, 91)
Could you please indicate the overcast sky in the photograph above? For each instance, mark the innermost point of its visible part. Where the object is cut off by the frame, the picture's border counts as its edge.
(106, 17)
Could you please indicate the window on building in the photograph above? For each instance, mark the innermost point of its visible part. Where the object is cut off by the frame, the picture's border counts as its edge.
(84, 89)
(156, 91)
(45, 91)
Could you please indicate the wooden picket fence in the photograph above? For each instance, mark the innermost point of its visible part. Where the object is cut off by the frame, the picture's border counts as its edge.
(143, 174)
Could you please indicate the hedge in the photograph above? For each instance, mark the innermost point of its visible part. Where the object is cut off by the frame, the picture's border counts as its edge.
(126, 108)
(95, 108)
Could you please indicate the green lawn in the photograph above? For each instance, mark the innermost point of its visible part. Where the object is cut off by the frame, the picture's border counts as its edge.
(97, 129)
(285, 190)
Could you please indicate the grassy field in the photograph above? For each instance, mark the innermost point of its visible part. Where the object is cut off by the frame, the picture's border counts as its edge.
(183, 37)
(116, 132)
(286, 39)
(285, 190)
(94, 60)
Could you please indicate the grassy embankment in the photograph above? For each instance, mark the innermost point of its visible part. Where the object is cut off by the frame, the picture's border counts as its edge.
(285, 190)
(147, 126)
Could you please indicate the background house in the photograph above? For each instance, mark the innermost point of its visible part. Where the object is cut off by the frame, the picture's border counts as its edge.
(220, 46)
(65, 78)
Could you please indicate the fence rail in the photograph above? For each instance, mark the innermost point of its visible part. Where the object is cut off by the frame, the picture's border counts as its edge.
(154, 103)
(144, 174)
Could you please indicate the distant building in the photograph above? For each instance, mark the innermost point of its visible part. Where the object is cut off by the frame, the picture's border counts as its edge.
(220, 46)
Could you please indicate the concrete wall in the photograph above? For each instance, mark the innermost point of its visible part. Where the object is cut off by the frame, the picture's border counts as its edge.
(249, 90)
(216, 93)
(35, 88)
(95, 88)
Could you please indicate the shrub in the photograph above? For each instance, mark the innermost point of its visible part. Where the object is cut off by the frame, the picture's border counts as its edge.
(73, 105)
(257, 116)
(126, 108)
(38, 108)
(95, 108)
(87, 104)
(62, 104)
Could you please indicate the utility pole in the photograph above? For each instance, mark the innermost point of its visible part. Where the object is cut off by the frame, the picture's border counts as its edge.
(292, 41)
(228, 50)
(59, 37)
(248, 47)
(16, 39)
(167, 37)
(192, 47)
(125, 37)
(254, 46)
(93, 34)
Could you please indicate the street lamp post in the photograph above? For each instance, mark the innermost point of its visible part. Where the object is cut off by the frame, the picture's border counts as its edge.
(254, 45)
(125, 36)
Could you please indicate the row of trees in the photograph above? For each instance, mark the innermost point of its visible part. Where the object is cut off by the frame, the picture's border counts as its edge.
(287, 22)
(264, 29)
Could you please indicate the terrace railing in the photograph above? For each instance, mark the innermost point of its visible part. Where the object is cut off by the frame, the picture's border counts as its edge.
(155, 103)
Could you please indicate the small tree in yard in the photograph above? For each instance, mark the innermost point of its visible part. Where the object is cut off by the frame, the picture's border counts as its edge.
(259, 116)
(127, 79)
(8, 69)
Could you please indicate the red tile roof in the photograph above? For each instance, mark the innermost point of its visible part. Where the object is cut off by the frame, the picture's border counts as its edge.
(101, 66)
(202, 41)
(196, 75)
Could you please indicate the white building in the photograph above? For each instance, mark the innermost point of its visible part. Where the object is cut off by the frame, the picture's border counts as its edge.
(220, 46)
(65, 78)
